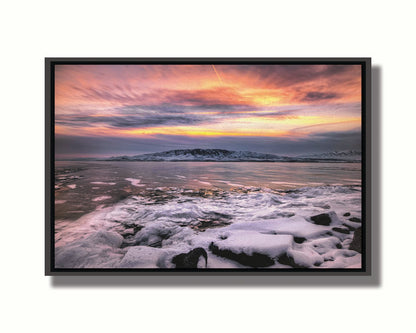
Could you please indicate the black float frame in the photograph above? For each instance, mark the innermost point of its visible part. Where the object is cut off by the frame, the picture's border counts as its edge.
(50, 165)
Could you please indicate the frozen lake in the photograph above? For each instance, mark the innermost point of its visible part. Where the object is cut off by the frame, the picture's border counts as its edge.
(158, 209)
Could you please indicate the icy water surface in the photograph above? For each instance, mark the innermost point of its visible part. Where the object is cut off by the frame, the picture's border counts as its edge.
(142, 214)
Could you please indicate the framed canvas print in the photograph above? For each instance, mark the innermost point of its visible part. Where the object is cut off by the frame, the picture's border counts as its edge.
(208, 165)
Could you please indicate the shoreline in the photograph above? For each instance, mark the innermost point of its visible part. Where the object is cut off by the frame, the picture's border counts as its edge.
(116, 238)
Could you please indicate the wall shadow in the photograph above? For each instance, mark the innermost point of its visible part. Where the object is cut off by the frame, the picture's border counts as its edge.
(270, 281)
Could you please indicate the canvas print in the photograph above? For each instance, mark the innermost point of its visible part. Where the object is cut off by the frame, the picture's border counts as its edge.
(207, 166)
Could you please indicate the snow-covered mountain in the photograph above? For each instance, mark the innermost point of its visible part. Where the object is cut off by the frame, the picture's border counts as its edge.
(349, 156)
(202, 155)
(222, 155)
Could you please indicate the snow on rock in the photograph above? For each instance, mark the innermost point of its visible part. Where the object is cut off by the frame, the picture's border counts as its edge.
(141, 257)
(108, 238)
(182, 240)
(148, 257)
(295, 226)
(342, 230)
(154, 234)
(254, 260)
(252, 248)
(352, 225)
(304, 258)
(215, 261)
(96, 250)
(341, 259)
(323, 245)
(293, 242)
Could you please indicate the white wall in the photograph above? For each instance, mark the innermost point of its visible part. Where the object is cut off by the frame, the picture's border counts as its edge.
(32, 30)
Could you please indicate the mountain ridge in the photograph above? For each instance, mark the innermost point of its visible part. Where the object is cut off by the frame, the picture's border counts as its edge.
(223, 155)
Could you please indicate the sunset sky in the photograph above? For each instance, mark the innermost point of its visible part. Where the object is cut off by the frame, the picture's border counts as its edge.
(110, 110)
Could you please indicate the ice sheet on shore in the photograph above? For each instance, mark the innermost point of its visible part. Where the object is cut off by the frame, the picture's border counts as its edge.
(135, 182)
(202, 182)
(102, 183)
(101, 198)
(168, 222)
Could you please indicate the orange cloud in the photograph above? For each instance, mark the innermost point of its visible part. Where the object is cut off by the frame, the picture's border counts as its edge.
(221, 93)
(199, 84)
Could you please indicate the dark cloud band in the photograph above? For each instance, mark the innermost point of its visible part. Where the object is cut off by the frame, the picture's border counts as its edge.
(110, 146)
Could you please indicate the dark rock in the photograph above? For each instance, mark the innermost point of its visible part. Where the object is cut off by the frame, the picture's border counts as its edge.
(356, 241)
(286, 259)
(137, 228)
(190, 259)
(254, 260)
(321, 219)
(347, 214)
(350, 227)
(341, 230)
(299, 240)
(355, 219)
